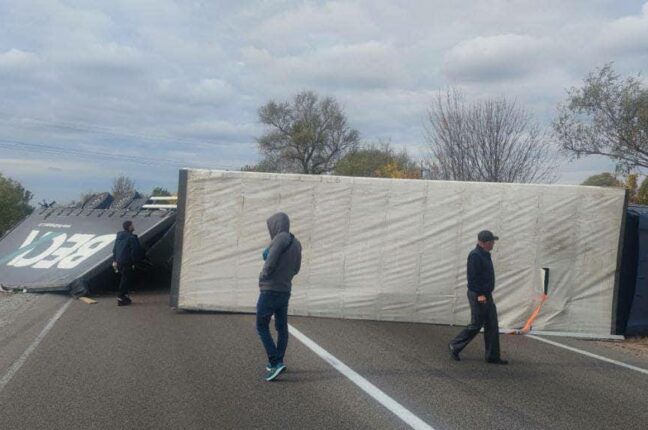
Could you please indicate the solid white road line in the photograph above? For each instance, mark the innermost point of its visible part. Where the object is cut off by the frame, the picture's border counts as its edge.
(589, 336)
(15, 367)
(589, 354)
(382, 398)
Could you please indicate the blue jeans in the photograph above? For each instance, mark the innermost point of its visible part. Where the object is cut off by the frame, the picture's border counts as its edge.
(273, 303)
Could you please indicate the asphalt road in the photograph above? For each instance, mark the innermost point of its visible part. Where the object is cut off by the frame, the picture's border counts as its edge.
(150, 367)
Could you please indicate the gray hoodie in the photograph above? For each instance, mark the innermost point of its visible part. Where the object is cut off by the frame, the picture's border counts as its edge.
(284, 256)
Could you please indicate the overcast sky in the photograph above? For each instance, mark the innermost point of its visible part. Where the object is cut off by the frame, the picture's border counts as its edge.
(165, 84)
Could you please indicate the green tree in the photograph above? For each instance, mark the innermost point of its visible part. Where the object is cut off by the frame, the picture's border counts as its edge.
(378, 160)
(272, 163)
(603, 180)
(307, 134)
(607, 116)
(395, 170)
(642, 193)
(631, 185)
(14, 203)
(160, 192)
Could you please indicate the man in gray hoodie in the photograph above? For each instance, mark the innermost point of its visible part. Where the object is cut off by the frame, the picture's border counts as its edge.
(282, 263)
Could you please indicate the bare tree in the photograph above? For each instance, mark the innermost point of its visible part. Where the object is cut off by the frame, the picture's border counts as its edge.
(494, 140)
(306, 135)
(122, 185)
(606, 116)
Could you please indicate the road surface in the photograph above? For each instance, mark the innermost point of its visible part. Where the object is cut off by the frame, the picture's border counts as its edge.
(149, 367)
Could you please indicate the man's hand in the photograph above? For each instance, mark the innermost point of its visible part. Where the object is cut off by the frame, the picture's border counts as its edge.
(481, 299)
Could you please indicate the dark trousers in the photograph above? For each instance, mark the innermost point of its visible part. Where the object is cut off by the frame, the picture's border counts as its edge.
(481, 315)
(273, 303)
(127, 279)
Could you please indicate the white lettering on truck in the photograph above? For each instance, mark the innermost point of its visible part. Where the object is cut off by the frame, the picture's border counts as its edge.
(64, 252)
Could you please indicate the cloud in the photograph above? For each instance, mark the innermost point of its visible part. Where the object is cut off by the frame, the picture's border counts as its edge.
(203, 91)
(307, 24)
(495, 58)
(45, 167)
(627, 35)
(184, 81)
(216, 131)
(103, 57)
(366, 65)
(16, 60)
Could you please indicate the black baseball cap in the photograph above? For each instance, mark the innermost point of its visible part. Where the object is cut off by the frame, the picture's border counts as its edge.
(486, 236)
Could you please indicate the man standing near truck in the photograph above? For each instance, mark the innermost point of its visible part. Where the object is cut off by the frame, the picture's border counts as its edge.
(481, 282)
(282, 263)
(126, 253)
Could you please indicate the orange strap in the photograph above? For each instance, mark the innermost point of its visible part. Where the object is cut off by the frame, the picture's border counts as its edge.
(534, 315)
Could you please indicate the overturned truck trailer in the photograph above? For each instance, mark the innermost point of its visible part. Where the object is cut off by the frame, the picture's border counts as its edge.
(65, 249)
(393, 249)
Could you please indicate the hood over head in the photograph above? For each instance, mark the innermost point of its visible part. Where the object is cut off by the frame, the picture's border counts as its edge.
(278, 223)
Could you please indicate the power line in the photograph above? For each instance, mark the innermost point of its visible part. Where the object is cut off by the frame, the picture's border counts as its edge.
(56, 150)
(110, 131)
(97, 155)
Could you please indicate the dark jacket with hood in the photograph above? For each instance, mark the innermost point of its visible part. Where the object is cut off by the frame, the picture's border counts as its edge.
(284, 256)
(127, 249)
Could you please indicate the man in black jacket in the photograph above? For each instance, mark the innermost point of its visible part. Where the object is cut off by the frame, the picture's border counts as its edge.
(483, 313)
(282, 263)
(126, 252)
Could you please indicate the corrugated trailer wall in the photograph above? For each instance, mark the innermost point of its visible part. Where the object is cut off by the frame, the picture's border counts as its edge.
(391, 249)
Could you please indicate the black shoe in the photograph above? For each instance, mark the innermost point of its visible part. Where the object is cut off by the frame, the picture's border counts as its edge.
(497, 361)
(454, 354)
(124, 301)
